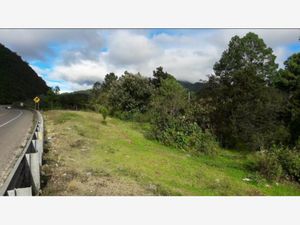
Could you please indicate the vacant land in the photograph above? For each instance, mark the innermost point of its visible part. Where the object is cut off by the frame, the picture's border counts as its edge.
(88, 157)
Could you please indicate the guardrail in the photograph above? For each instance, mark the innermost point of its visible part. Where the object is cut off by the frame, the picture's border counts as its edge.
(24, 179)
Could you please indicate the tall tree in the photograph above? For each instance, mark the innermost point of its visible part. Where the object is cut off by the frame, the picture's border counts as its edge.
(159, 75)
(130, 93)
(109, 80)
(250, 53)
(288, 80)
(100, 91)
(246, 108)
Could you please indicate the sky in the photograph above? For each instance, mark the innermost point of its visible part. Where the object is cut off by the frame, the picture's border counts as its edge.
(74, 59)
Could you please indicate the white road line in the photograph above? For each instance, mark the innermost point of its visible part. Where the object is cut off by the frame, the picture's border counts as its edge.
(20, 114)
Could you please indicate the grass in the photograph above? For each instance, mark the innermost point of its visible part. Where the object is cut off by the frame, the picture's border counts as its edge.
(88, 157)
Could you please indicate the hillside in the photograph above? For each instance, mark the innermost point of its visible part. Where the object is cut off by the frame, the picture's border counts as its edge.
(74, 100)
(18, 81)
(195, 87)
(88, 157)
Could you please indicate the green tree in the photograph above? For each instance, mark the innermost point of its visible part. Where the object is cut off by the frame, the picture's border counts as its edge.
(51, 100)
(288, 81)
(56, 90)
(74, 100)
(246, 108)
(95, 93)
(130, 93)
(170, 98)
(109, 80)
(100, 91)
(173, 122)
(247, 53)
(159, 75)
(96, 88)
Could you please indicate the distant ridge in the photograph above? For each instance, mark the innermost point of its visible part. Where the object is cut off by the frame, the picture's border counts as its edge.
(195, 87)
(18, 81)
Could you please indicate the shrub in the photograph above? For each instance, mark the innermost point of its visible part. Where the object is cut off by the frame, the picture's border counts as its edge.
(183, 134)
(204, 142)
(279, 162)
(123, 115)
(268, 165)
(104, 111)
(290, 161)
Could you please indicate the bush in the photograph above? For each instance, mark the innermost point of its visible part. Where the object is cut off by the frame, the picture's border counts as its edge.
(290, 161)
(279, 162)
(204, 142)
(183, 134)
(268, 165)
(104, 111)
(124, 115)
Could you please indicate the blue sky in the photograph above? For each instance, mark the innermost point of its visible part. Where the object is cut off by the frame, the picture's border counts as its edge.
(76, 58)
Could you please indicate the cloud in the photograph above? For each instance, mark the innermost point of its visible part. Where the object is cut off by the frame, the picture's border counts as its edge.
(188, 65)
(84, 72)
(83, 56)
(126, 48)
(41, 43)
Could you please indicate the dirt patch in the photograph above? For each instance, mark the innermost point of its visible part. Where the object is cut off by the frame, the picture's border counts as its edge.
(64, 181)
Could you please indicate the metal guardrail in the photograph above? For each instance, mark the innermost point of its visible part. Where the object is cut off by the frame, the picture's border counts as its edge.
(24, 178)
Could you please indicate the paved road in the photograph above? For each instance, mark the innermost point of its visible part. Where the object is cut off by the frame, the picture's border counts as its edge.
(15, 126)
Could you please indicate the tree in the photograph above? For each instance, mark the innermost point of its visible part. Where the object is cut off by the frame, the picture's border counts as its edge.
(159, 75)
(100, 91)
(51, 99)
(173, 122)
(246, 108)
(109, 80)
(288, 81)
(170, 99)
(247, 53)
(95, 93)
(74, 100)
(130, 93)
(56, 90)
(168, 110)
(96, 88)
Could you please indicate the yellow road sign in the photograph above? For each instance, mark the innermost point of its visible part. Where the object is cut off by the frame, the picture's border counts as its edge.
(36, 99)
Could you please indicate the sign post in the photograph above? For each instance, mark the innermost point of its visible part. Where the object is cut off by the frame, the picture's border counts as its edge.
(37, 103)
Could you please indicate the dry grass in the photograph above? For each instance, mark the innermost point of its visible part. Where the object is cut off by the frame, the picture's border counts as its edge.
(65, 173)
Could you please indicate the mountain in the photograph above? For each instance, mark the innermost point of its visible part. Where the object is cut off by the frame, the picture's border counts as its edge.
(195, 87)
(18, 81)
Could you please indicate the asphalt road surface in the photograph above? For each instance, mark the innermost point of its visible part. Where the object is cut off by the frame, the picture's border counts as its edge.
(15, 127)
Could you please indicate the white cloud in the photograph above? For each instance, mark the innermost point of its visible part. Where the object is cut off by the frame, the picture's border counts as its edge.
(82, 72)
(187, 54)
(127, 48)
(38, 43)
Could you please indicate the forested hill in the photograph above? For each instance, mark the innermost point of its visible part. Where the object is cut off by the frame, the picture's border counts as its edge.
(18, 81)
(192, 86)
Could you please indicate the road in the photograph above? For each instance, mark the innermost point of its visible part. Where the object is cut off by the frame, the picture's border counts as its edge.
(15, 127)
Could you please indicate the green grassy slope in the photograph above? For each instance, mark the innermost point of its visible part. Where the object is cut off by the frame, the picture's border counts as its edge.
(87, 157)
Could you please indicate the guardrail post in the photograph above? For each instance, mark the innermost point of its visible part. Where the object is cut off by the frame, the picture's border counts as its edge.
(20, 192)
(34, 165)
